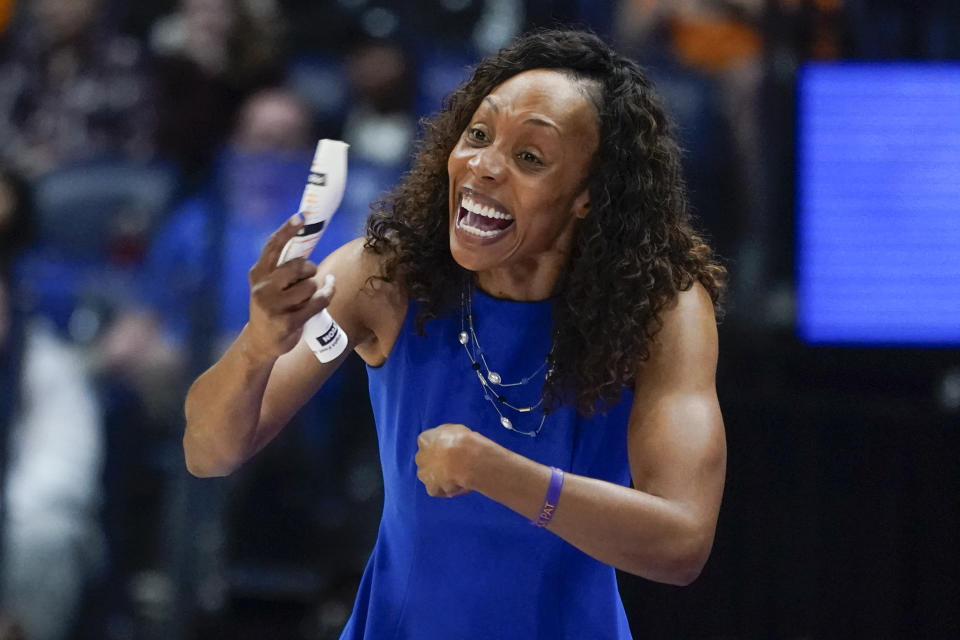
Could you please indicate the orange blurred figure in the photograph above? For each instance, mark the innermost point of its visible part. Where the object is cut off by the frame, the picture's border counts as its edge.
(6, 12)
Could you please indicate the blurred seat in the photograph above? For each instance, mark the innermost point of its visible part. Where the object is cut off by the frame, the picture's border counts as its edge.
(82, 208)
(94, 219)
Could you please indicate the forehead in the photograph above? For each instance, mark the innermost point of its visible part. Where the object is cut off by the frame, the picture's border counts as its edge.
(548, 93)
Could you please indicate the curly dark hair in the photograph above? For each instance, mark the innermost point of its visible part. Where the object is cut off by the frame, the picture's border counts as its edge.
(632, 253)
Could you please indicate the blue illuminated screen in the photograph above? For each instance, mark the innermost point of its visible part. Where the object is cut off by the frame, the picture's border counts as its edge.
(878, 204)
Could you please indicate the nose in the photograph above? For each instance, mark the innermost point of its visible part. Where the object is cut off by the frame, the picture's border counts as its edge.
(487, 163)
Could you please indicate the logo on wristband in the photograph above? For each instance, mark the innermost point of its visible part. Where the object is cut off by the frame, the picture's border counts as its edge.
(329, 336)
(546, 513)
(552, 498)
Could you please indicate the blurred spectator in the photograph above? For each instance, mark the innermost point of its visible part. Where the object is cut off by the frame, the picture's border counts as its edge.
(498, 24)
(216, 52)
(70, 88)
(51, 432)
(196, 303)
(381, 124)
(6, 12)
(720, 42)
(200, 258)
(193, 293)
(711, 35)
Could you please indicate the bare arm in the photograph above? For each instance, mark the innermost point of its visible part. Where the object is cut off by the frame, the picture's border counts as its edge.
(661, 529)
(240, 403)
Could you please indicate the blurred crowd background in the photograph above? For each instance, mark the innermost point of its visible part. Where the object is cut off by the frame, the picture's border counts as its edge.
(148, 148)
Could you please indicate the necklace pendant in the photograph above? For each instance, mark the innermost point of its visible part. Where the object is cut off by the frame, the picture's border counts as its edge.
(463, 337)
(494, 377)
(506, 422)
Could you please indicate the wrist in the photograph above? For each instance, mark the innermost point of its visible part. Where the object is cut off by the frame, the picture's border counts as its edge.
(253, 354)
(475, 453)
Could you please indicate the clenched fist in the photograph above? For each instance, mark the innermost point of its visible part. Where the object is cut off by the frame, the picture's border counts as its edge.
(442, 457)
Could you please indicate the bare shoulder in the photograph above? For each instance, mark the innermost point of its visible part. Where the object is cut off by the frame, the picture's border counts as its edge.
(684, 351)
(370, 309)
(689, 315)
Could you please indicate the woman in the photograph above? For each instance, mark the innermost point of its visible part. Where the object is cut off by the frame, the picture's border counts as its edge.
(534, 268)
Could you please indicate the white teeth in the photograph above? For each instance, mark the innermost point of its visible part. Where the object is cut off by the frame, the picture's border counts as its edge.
(483, 210)
(477, 232)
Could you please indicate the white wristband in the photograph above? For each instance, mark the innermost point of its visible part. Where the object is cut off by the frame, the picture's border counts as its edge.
(325, 337)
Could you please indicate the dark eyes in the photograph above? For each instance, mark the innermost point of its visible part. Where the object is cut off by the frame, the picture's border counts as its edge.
(526, 156)
(478, 135)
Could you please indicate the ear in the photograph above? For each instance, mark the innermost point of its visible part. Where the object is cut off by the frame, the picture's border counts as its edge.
(581, 204)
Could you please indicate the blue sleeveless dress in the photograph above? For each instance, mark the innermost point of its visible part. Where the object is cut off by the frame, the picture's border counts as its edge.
(468, 567)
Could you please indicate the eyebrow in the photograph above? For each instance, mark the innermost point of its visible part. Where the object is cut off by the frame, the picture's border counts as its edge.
(542, 123)
(537, 121)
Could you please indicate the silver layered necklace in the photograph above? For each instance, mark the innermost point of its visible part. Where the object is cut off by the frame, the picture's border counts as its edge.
(491, 382)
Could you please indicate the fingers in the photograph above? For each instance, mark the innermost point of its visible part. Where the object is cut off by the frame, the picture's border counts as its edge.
(436, 482)
(287, 286)
(439, 490)
(290, 273)
(295, 295)
(281, 304)
(271, 251)
(317, 302)
(436, 491)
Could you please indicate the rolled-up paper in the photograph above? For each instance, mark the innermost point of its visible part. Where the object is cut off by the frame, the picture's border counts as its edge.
(321, 197)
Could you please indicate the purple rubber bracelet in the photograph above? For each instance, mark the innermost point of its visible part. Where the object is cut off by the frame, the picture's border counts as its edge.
(553, 497)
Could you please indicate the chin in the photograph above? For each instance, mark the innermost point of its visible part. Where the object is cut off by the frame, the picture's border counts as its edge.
(464, 256)
(473, 258)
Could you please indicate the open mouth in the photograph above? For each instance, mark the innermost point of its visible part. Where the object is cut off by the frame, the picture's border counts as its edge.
(480, 219)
